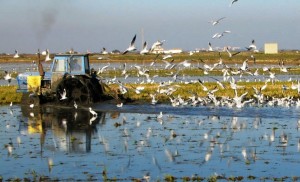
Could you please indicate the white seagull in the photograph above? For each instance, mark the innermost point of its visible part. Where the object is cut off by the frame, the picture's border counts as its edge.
(7, 77)
(155, 44)
(186, 63)
(219, 35)
(131, 46)
(160, 116)
(103, 68)
(16, 54)
(233, 1)
(167, 56)
(47, 56)
(215, 22)
(75, 105)
(120, 104)
(252, 47)
(144, 50)
(63, 95)
(104, 52)
(93, 112)
(209, 47)
(31, 105)
(230, 54)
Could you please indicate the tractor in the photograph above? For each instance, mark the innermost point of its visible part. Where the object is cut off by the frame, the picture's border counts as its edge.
(69, 81)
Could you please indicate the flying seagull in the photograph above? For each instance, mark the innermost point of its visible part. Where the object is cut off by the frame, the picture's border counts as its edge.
(47, 58)
(7, 77)
(104, 51)
(131, 46)
(252, 46)
(63, 95)
(155, 44)
(215, 22)
(16, 54)
(219, 35)
(230, 54)
(233, 1)
(209, 47)
(144, 50)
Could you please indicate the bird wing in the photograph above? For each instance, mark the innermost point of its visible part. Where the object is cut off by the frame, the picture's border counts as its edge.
(236, 53)
(125, 52)
(215, 35)
(221, 18)
(145, 45)
(133, 40)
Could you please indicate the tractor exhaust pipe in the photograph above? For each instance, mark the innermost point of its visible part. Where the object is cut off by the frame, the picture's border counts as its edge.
(40, 66)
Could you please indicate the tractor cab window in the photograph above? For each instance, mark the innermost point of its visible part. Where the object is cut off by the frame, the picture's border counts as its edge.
(59, 65)
(75, 64)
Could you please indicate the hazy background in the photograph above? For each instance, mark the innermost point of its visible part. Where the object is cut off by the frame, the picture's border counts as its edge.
(59, 25)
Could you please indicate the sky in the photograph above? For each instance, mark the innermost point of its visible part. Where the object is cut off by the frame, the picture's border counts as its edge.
(59, 25)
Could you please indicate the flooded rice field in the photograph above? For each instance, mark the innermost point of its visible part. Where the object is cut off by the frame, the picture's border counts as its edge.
(137, 142)
(25, 67)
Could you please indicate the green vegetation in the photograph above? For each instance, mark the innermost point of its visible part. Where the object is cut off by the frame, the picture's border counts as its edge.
(8, 95)
(187, 90)
(291, 57)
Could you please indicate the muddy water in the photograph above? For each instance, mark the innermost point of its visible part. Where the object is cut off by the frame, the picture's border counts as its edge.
(131, 142)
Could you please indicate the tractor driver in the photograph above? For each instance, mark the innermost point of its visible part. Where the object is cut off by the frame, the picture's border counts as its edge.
(75, 64)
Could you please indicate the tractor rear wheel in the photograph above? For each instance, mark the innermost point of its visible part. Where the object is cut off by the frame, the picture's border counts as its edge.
(75, 91)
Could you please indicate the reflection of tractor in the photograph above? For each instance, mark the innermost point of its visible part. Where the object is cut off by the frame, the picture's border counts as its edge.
(72, 129)
(69, 80)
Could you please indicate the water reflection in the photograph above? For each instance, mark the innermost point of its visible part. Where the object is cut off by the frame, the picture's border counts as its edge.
(62, 142)
(72, 129)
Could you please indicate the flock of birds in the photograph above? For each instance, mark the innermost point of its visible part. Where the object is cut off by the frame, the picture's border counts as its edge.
(230, 75)
(230, 80)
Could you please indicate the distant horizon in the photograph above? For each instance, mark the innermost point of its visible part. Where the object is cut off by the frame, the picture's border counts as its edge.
(137, 52)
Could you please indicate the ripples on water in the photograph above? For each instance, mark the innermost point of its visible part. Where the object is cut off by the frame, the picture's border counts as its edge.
(131, 142)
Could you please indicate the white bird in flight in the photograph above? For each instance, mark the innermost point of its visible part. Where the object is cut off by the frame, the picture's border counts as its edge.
(7, 77)
(144, 50)
(252, 47)
(209, 47)
(155, 44)
(131, 46)
(100, 71)
(219, 35)
(63, 95)
(75, 105)
(104, 52)
(215, 22)
(167, 56)
(233, 1)
(47, 56)
(93, 112)
(16, 54)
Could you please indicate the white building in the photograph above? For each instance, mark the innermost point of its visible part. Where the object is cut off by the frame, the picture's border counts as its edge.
(271, 48)
(173, 51)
